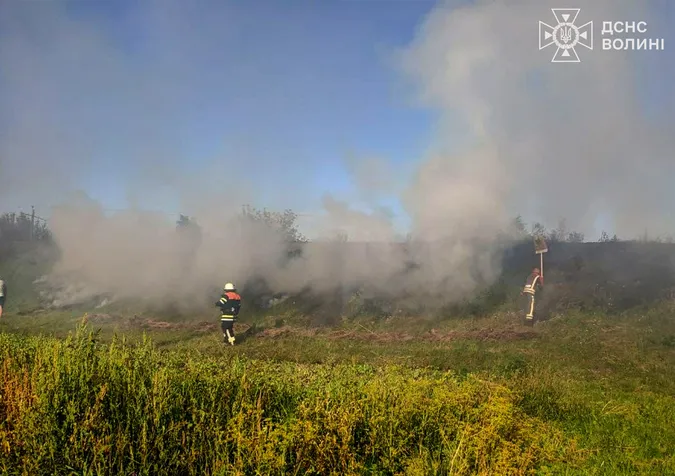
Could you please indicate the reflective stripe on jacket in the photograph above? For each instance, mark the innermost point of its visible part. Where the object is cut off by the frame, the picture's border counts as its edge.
(229, 305)
(531, 284)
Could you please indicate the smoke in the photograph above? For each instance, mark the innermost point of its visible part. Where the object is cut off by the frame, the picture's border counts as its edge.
(550, 140)
(516, 135)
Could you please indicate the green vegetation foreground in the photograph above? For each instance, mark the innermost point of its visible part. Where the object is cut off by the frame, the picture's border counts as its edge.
(581, 394)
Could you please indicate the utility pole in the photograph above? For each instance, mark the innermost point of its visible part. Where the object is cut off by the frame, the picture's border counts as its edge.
(32, 223)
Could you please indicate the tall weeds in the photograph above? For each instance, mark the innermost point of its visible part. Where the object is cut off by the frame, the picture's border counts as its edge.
(84, 407)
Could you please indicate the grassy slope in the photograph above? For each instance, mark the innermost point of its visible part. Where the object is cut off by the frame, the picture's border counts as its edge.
(582, 393)
(600, 388)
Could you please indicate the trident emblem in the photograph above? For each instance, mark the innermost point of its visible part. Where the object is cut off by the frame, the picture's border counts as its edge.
(565, 35)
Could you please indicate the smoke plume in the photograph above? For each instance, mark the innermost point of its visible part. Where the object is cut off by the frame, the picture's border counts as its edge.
(517, 134)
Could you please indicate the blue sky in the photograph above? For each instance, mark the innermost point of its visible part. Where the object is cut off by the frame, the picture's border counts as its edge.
(301, 86)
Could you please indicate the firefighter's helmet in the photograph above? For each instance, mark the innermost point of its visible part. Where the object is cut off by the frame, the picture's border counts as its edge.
(229, 287)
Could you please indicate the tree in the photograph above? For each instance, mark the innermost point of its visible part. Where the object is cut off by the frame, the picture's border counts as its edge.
(284, 222)
(538, 230)
(183, 222)
(559, 234)
(21, 227)
(518, 227)
(575, 237)
(189, 229)
(16, 228)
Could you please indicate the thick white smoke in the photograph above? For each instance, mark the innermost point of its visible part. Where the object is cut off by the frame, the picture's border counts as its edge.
(517, 135)
(546, 140)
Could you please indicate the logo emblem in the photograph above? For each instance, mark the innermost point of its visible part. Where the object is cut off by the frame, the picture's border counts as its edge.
(565, 35)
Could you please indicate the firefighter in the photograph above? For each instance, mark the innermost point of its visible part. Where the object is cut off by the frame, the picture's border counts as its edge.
(533, 283)
(3, 295)
(229, 304)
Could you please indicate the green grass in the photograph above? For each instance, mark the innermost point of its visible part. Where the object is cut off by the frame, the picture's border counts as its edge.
(583, 393)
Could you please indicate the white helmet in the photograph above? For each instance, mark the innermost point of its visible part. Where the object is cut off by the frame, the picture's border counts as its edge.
(229, 287)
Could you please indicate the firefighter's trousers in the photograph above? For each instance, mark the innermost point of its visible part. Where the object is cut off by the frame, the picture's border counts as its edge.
(529, 302)
(227, 325)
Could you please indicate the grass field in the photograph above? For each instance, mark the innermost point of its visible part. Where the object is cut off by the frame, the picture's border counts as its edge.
(114, 393)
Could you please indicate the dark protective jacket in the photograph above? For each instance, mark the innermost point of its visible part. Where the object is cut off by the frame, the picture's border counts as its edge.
(229, 304)
(533, 283)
